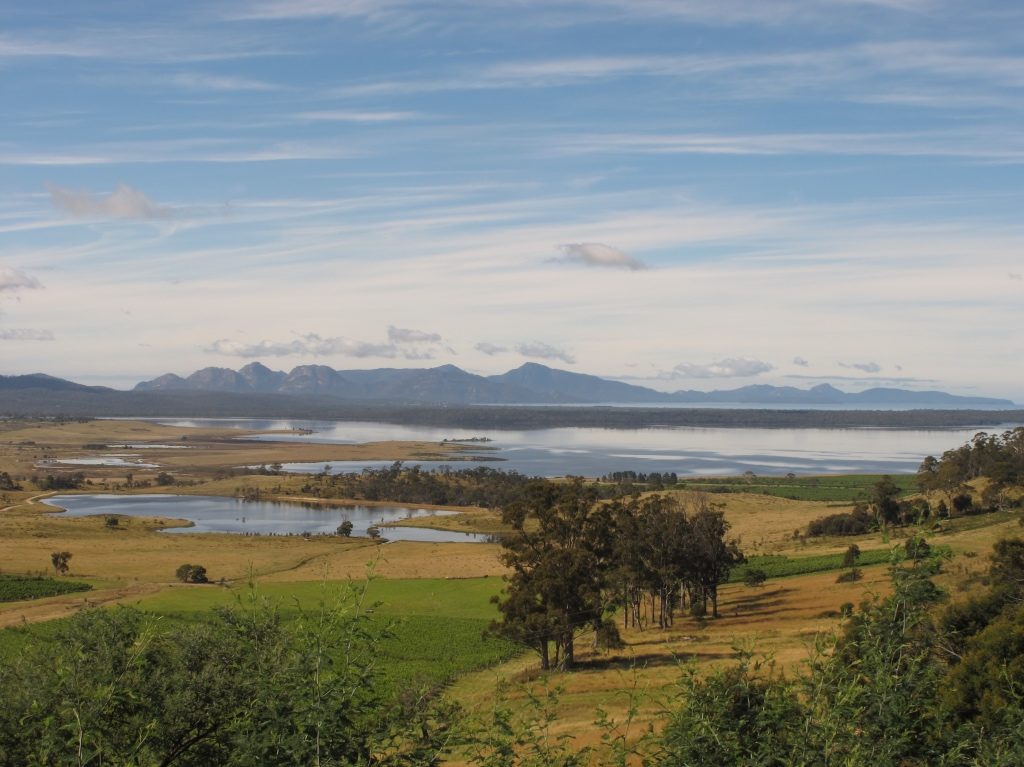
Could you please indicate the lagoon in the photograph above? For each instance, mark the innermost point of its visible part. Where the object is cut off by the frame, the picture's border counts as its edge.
(214, 514)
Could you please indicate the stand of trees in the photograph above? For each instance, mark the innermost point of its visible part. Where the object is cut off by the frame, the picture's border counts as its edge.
(997, 457)
(575, 559)
(480, 486)
(883, 508)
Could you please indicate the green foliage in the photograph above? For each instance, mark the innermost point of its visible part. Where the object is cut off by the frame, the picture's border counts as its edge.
(479, 486)
(60, 561)
(848, 488)
(73, 481)
(15, 588)
(117, 687)
(880, 693)
(755, 576)
(191, 574)
(778, 566)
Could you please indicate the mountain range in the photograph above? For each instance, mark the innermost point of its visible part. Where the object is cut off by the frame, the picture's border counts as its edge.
(531, 383)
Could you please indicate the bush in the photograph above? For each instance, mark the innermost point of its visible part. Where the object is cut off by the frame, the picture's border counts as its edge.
(755, 577)
(857, 522)
(192, 574)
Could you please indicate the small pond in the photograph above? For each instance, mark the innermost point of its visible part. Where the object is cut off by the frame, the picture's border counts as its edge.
(215, 514)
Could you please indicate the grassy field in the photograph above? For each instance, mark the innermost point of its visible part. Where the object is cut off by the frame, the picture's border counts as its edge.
(435, 627)
(18, 588)
(778, 566)
(438, 595)
(844, 489)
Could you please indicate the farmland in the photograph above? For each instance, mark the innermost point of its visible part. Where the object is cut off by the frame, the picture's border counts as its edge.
(436, 598)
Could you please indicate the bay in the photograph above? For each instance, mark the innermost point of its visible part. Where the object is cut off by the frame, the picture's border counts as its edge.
(593, 452)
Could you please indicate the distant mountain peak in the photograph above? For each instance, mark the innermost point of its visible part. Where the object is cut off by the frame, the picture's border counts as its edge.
(530, 383)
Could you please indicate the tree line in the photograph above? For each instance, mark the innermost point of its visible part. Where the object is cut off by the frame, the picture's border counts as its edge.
(997, 457)
(479, 486)
(576, 559)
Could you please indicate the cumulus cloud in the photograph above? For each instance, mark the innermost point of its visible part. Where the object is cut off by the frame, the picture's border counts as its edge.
(13, 280)
(867, 367)
(490, 349)
(734, 367)
(123, 202)
(402, 343)
(25, 334)
(598, 254)
(542, 351)
(1016, 276)
(801, 362)
(409, 336)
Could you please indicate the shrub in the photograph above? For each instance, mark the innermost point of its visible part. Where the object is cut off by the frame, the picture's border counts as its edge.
(192, 574)
(755, 577)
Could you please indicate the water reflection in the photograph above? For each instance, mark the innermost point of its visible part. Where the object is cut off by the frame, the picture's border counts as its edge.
(212, 514)
(592, 452)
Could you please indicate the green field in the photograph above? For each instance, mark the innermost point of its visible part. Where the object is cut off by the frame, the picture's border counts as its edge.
(777, 566)
(844, 489)
(435, 627)
(16, 588)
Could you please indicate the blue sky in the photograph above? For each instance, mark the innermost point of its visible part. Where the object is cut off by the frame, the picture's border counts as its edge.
(681, 193)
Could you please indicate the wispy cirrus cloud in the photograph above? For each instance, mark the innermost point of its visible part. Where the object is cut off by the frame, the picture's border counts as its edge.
(123, 202)
(205, 81)
(733, 367)
(599, 255)
(25, 334)
(358, 116)
(542, 351)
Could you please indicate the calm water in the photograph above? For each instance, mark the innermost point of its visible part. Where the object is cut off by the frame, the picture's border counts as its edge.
(593, 452)
(129, 461)
(212, 514)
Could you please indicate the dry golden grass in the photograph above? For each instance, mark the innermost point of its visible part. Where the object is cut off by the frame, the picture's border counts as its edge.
(781, 619)
(24, 444)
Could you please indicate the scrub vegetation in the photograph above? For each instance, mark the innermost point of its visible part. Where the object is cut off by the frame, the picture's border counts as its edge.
(405, 668)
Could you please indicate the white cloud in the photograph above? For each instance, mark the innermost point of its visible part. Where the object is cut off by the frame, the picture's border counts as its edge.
(12, 280)
(310, 344)
(208, 82)
(542, 351)
(490, 349)
(123, 202)
(801, 362)
(25, 334)
(867, 367)
(402, 343)
(353, 116)
(733, 367)
(598, 254)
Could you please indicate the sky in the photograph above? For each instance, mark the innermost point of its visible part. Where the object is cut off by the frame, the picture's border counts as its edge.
(685, 194)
